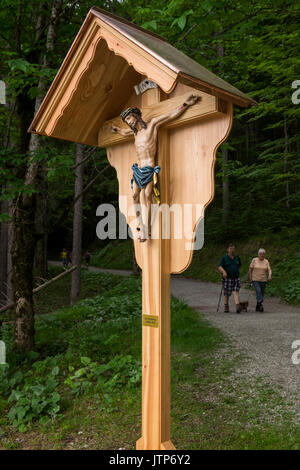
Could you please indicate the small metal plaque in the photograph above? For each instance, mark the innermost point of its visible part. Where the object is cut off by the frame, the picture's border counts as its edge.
(144, 86)
(150, 320)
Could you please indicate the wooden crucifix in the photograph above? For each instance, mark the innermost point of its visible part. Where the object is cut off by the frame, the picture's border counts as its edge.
(144, 172)
(188, 136)
(108, 60)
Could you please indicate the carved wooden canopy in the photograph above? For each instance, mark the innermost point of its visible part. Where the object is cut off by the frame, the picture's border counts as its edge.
(108, 57)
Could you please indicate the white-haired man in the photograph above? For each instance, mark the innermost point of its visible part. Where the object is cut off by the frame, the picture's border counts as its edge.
(259, 273)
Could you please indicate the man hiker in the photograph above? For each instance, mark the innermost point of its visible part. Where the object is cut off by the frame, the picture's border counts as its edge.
(229, 267)
(259, 273)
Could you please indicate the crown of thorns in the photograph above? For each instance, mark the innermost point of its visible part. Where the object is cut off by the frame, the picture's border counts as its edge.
(128, 111)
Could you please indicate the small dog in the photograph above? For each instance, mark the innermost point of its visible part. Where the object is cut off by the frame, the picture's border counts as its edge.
(244, 305)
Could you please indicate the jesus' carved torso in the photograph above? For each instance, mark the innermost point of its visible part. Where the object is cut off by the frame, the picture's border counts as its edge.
(146, 147)
(145, 139)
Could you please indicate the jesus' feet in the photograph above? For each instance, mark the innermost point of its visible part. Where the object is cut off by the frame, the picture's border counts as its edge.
(142, 235)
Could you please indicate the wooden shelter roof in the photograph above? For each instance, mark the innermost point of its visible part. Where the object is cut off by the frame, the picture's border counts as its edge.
(173, 58)
(107, 58)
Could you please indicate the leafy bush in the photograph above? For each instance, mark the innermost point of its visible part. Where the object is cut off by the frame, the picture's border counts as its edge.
(35, 402)
(7, 382)
(116, 254)
(121, 371)
(286, 279)
(100, 327)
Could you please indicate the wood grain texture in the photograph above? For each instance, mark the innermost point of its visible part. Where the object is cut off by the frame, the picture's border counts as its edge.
(95, 82)
(97, 93)
(82, 76)
(208, 107)
(143, 62)
(191, 152)
(154, 256)
(77, 65)
(156, 393)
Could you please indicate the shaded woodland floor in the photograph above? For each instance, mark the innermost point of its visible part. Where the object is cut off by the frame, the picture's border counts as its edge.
(91, 354)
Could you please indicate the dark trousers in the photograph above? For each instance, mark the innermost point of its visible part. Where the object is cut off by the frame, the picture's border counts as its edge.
(260, 290)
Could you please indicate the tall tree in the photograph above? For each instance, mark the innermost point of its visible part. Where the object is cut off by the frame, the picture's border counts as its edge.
(25, 236)
(77, 224)
(3, 254)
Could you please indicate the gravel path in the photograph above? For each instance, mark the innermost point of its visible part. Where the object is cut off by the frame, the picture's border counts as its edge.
(119, 272)
(266, 338)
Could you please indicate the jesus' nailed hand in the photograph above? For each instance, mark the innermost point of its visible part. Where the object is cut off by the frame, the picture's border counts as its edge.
(145, 137)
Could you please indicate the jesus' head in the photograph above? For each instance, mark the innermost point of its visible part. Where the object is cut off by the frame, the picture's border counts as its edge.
(133, 118)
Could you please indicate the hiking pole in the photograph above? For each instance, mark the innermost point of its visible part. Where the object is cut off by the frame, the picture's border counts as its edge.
(250, 289)
(220, 298)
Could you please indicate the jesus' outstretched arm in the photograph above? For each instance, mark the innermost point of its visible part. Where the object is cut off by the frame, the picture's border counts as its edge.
(165, 118)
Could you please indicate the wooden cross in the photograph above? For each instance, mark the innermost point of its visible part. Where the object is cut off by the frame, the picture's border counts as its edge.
(107, 60)
(186, 154)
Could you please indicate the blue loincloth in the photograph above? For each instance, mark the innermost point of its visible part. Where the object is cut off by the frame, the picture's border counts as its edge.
(143, 176)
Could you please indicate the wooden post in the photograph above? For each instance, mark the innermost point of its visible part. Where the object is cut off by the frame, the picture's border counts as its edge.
(156, 302)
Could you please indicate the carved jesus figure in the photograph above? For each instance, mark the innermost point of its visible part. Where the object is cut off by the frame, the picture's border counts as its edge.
(145, 136)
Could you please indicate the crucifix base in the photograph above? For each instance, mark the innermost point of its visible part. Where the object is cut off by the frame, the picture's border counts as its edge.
(167, 445)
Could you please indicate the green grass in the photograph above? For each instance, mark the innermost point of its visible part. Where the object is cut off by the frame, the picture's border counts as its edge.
(92, 351)
(117, 254)
(282, 250)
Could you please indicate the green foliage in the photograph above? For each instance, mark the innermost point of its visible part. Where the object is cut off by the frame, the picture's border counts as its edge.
(114, 255)
(90, 349)
(121, 371)
(91, 395)
(95, 333)
(260, 57)
(38, 401)
(8, 381)
(287, 279)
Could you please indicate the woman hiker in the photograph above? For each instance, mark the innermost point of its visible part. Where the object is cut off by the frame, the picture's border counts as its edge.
(229, 267)
(259, 272)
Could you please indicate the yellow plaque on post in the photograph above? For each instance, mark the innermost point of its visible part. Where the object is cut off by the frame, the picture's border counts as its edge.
(150, 320)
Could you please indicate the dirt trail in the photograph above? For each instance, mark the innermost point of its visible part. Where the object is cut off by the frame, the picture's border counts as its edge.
(266, 338)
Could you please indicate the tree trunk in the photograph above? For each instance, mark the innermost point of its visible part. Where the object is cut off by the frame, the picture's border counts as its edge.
(22, 260)
(10, 237)
(6, 291)
(225, 189)
(77, 225)
(3, 255)
(25, 236)
(225, 182)
(41, 261)
(286, 150)
(247, 142)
